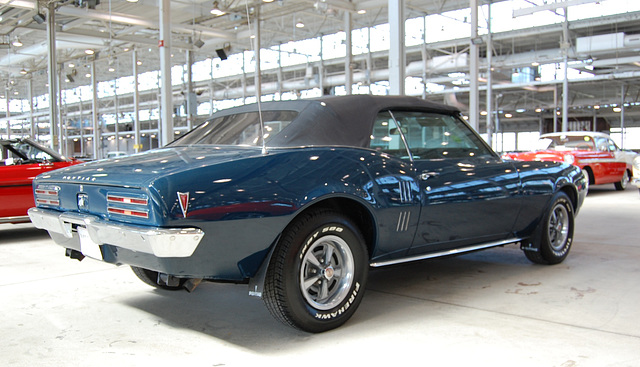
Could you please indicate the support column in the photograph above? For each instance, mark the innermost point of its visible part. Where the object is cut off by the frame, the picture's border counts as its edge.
(622, 127)
(62, 139)
(555, 108)
(473, 62)
(257, 80)
(497, 124)
(166, 111)
(425, 59)
(136, 104)
(565, 80)
(53, 84)
(369, 60)
(243, 80)
(97, 141)
(397, 58)
(192, 103)
(32, 124)
(348, 60)
(80, 106)
(321, 67)
(279, 73)
(8, 115)
(117, 112)
(489, 77)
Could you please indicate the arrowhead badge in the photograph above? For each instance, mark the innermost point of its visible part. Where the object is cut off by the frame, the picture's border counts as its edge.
(183, 199)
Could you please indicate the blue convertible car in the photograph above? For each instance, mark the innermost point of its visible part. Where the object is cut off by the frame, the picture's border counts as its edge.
(299, 199)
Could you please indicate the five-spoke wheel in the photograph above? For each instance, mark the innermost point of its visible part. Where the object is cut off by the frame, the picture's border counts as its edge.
(555, 232)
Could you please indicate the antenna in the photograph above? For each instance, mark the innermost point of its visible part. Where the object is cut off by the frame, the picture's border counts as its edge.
(256, 51)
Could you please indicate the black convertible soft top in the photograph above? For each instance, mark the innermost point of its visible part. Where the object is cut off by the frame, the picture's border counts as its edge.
(336, 120)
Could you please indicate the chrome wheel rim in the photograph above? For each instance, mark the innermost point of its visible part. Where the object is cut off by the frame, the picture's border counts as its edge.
(326, 272)
(559, 227)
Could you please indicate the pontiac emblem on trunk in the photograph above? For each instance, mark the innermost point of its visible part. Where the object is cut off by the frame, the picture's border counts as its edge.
(183, 199)
(83, 202)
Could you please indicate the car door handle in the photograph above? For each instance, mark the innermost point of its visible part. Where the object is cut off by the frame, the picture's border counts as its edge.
(425, 175)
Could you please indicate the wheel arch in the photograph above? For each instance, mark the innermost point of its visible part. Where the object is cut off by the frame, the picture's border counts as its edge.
(354, 209)
(572, 193)
(590, 175)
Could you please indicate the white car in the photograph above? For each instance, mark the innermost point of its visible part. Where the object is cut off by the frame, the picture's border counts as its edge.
(636, 172)
(116, 154)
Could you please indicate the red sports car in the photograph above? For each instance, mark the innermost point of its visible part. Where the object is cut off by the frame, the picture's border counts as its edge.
(22, 160)
(595, 153)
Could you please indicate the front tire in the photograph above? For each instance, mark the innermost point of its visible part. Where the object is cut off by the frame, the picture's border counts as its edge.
(317, 275)
(555, 232)
(622, 185)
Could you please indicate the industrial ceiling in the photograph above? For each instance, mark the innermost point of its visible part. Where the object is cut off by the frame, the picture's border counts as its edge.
(607, 48)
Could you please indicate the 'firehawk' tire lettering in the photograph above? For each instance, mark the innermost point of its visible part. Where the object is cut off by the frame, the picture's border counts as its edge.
(325, 316)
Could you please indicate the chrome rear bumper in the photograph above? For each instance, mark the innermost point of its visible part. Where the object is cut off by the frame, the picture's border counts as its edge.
(161, 242)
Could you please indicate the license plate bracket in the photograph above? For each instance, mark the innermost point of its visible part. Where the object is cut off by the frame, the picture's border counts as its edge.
(87, 246)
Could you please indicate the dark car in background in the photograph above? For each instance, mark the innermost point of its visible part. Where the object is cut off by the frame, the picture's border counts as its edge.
(300, 198)
(21, 160)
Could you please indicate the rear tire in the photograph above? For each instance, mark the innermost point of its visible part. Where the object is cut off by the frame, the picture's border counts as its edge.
(150, 277)
(622, 185)
(317, 275)
(555, 232)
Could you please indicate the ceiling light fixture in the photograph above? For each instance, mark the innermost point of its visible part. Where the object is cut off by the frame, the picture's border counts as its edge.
(89, 51)
(198, 43)
(23, 71)
(16, 42)
(216, 10)
(300, 24)
(477, 41)
(39, 18)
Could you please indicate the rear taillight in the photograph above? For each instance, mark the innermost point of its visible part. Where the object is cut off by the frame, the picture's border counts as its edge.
(47, 195)
(128, 205)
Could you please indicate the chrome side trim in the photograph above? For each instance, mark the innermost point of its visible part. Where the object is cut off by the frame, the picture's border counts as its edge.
(161, 242)
(445, 253)
(403, 221)
(19, 219)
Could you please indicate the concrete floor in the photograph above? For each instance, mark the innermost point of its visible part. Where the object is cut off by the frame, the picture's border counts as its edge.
(490, 308)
